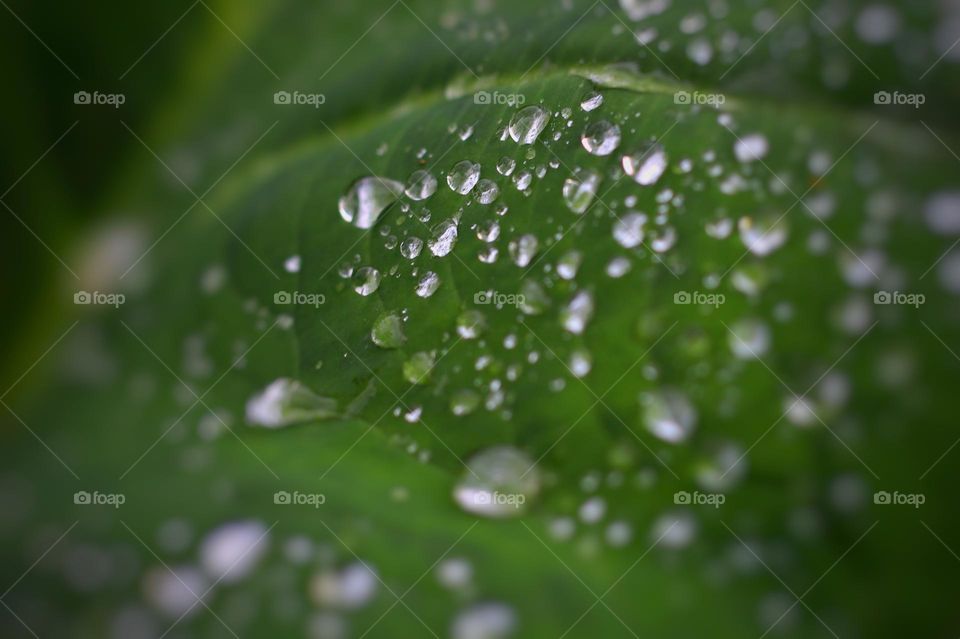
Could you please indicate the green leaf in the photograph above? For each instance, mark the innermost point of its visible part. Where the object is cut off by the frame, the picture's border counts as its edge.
(734, 354)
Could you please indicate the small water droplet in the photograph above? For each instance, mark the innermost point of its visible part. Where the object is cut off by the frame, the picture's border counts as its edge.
(428, 284)
(470, 324)
(628, 230)
(387, 331)
(444, 238)
(751, 147)
(506, 166)
(366, 280)
(668, 415)
(580, 189)
(647, 165)
(464, 402)
(749, 339)
(591, 101)
(487, 191)
(416, 370)
(764, 235)
(285, 402)
(410, 247)
(523, 249)
(578, 313)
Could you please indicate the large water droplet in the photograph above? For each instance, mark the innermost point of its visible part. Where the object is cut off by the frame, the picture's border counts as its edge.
(647, 165)
(601, 138)
(579, 189)
(428, 284)
(410, 247)
(527, 124)
(420, 185)
(367, 198)
(366, 280)
(463, 176)
(500, 482)
(487, 191)
(285, 402)
(444, 237)
(668, 415)
(387, 331)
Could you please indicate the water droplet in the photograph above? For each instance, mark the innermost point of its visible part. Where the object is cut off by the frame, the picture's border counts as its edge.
(500, 482)
(231, 552)
(533, 299)
(527, 124)
(387, 331)
(488, 231)
(421, 185)
(569, 264)
(285, 402)
(350, 588)
(647, 165)
(484, 621)
(463, 176)
(581, 361)
(470, 324)
(749, 339)
(580, 189)
(292, 264)
(523, 249)
(416, 370)
(464, 402)
(522, 180)
(487, 191)
(428, 284)
(578, 313)
(367, 198)
(763, 236)
(455, 573)
(675, 530)
(592, 510)
(366, 280)
(668, 415)
(444, 238)
(628, 230)
(751, 147)
(410, 247)
(591, 101)
(506, 166)
(601, 138)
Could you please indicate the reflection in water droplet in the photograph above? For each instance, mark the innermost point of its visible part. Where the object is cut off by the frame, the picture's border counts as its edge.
(601, 138)
(580, 189)
(463, 176)
(505, 166)
(646, 166)
(420, 185)
(578, 313)
(428, 284)
(444, 238)
(668, 415)
(285, 402)
(527, 124)
(499, 482)
(366, 280)
(410, 247)
(367, 198)
(387, 331)
(523, 249)
(487, 191)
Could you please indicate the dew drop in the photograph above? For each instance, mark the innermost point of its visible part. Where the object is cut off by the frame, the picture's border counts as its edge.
(506, 166)
(647, 165)
(421, 185)
(416, 370)
(428, 284)
(523, 249)
(763, 236)
(580, 189)
(470, 324)
(367, 198)
(668, 415)
(387, 331)
(444, 238)
(410, 247)
(749, 339)
(578, 313)
(499, 482)
(487, 191)
(751, 147)
(286, 401)
(527, 124)
(463, 176)
(366, 280)
(601, 138)
(628, 230)
(591, 101)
